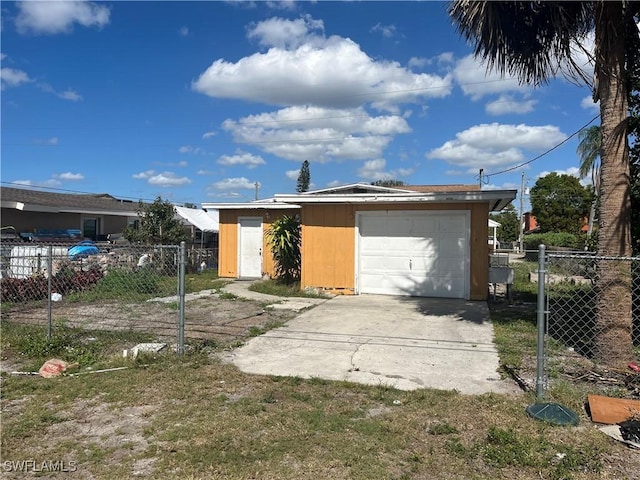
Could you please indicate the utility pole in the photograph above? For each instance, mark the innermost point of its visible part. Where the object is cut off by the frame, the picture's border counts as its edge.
(480, 177)
(521, 230)
(257, 185)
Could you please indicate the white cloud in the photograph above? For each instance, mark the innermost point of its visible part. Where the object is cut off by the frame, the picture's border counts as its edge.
(417, 62)
(303, 68)
(46, 141)
(184, 31)
(335, 183)
(190, 149)
(235, 184)
(476, 82)
(241, 158)
(292, 174)
(164, 179)
(504, 186)
(299, 133)
(506, 104)
(12, 78)
(588, 104)
(446, 58)
(375, 170)
(3, 56)
(70, 176)
(387, 31)
(58, 17)
(496, 145)
(282, 4)
(572, 171)
(70, 95)
(23, 182)
(284, 34)
(208, 135)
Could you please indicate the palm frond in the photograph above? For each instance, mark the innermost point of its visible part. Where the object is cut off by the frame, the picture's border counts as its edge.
(529, 40)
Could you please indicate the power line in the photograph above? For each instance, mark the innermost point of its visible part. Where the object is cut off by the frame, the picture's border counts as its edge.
(545, 153)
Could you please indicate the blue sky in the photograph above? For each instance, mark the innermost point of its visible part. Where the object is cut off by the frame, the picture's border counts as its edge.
(197, 101)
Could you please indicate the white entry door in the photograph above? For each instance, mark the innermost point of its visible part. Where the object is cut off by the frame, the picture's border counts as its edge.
(250, 251)
(414, 253)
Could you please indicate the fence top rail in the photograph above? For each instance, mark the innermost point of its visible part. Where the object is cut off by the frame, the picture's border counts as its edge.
(591, 256)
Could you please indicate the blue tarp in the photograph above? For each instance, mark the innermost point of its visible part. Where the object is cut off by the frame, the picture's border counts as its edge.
(82, 250)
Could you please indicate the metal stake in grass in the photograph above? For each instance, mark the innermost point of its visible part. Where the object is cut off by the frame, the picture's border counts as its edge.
(547, 412)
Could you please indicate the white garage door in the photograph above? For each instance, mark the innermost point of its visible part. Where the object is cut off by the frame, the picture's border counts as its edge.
(414, 253)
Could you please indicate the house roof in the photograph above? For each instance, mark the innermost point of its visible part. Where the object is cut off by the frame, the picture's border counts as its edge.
(367, 188)
(369, 194)
(497, 199)
(40, 201)
(204, 221)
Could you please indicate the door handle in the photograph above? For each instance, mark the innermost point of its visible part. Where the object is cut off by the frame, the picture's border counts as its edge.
(260, 252)
(410, 265)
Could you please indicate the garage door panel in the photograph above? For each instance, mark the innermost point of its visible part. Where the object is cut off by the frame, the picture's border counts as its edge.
(452, 247)
(374, 227)
(408, 253)
(424, 227)
(451, 224)
(397, 225)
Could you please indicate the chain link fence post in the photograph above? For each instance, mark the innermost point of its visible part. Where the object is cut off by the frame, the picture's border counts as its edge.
(181, 295)
(541, 311)
(49, 290)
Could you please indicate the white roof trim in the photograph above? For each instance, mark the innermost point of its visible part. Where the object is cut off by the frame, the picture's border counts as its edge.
(249, 206)
(476, 195)
(377, 188)
(493, 223)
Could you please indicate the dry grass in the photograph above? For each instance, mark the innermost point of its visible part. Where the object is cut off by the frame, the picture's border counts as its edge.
(196, 418)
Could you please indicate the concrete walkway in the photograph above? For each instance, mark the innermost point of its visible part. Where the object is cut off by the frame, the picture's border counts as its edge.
(406, 343)
(240, 288)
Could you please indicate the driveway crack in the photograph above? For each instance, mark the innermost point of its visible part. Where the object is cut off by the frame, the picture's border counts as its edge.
(354, 367)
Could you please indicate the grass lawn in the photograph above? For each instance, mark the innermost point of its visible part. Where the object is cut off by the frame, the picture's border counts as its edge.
(198, 418)
(194, 417)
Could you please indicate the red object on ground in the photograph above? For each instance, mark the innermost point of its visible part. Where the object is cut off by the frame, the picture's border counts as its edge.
(53, 368)
(635, 367)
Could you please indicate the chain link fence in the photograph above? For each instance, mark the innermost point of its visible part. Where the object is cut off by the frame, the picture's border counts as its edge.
(169, 293)
(591, 317)
(93, 287)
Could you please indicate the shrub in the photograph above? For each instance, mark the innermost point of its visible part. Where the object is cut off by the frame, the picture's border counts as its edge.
(284, 237)
(559, 239)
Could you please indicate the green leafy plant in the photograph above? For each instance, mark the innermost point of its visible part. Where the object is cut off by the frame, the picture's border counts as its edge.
(284, 237)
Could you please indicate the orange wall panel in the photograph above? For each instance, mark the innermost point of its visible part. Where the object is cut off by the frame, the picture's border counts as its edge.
(328, 254)
(228, 239)
(329, 243)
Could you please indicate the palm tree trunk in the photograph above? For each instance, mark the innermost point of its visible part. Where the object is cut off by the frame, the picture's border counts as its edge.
(613, 344)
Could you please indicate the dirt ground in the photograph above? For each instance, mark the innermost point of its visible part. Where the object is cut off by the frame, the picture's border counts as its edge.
(223, 320)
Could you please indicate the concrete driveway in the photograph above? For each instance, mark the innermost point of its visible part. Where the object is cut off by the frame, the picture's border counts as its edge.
(406, 343)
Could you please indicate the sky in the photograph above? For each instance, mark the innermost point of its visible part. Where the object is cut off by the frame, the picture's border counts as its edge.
(200, 102)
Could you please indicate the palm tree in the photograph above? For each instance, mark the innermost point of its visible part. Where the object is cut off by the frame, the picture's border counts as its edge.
(532, 40)
(590, 150)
